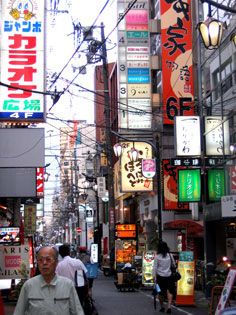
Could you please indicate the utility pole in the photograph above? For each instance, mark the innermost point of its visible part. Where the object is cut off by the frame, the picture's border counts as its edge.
(108, 146)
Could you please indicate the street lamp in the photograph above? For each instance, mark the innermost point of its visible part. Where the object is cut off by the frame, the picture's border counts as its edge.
(211, 30)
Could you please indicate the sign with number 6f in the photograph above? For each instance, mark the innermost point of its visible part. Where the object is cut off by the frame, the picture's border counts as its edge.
(182, 106)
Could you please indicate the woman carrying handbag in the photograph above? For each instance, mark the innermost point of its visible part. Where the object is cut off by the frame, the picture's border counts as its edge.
(163, 276)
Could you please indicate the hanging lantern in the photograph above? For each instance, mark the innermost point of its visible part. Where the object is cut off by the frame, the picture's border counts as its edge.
(133, 155)
(211, 32)
(118, 149)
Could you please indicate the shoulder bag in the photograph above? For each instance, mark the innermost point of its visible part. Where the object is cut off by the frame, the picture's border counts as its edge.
(176, 276)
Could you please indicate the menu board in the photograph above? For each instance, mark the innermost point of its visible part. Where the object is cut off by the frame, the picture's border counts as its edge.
(148, 260)
(186, 283)
(185, 286)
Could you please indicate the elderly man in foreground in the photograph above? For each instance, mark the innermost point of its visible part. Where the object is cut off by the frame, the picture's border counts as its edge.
(48, 293)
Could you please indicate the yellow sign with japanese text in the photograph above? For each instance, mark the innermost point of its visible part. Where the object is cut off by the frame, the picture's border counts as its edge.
(132, 178)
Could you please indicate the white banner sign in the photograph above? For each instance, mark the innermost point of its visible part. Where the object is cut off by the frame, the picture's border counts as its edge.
(228, 206)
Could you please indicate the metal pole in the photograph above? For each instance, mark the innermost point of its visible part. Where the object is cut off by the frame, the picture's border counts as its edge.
(111, 202)
(158, 176)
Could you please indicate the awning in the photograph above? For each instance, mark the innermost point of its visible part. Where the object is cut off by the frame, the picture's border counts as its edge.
(193, 228)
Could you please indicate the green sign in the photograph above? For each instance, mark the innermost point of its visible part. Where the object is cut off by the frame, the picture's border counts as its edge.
(216, 184)
(189, 187)
(137, 34)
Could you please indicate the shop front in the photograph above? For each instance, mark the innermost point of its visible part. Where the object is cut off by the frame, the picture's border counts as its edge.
(190, 236)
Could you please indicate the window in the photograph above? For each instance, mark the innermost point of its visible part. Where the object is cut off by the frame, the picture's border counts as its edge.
(226, 77)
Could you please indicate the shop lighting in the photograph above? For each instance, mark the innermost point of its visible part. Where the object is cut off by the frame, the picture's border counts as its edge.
(133, 155)
(86, 184)
(117, 149)
(211, 32)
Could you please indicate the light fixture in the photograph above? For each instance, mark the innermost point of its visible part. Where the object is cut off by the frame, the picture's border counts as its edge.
(86, 184)
(233, 38)
(133, 155)
(118, 149)
(232, 149)
(211, 31)
(95, 187)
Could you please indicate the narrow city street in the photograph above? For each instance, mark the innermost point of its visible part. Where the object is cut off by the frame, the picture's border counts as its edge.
(109, 300)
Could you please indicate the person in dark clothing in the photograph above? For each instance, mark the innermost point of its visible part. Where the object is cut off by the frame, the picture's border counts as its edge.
(86, 259)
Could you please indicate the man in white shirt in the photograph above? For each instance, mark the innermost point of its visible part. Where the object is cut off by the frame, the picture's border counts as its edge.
(67, 268)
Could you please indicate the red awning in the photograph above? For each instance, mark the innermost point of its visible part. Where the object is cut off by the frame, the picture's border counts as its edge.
(194, 229)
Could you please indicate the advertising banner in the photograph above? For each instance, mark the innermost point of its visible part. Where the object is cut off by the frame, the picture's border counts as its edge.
(171, 201)
(216, 184)
(22, 60)
(189, 185)
(40, 182)
(11, 258)
(214, 136)
(228, 206)
(132, 178)
(177, 61)
(185, 286)
(29, 219)
(232, 179)
(187, 136)
(148, 260)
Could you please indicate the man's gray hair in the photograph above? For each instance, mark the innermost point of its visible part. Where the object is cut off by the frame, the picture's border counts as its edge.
(54, 249)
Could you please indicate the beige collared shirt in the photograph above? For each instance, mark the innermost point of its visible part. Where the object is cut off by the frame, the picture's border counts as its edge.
(39, 298)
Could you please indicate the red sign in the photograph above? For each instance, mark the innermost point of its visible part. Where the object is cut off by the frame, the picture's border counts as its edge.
(233, 179)
(177, 61)
(79, 230)
(171, 187)
(39, 182)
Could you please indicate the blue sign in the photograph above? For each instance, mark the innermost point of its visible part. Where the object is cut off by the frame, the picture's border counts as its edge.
(137, 71)
(139, 79)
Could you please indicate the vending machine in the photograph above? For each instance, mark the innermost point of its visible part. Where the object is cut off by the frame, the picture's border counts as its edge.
(125, 245)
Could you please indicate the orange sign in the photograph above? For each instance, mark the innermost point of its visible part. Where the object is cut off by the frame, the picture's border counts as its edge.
(129, 234)
(177, 61)
(126, 227)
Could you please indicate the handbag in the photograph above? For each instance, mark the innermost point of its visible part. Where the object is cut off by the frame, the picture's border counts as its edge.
(89, 307)
(176, 276)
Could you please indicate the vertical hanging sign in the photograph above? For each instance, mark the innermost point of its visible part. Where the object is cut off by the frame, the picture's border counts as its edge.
(22, 60)
(134, 75)
(177, 63)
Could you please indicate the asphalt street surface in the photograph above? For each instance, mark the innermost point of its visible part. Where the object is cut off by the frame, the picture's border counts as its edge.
(110, 301)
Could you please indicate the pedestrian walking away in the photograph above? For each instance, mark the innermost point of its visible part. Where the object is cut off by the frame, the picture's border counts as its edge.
(48, 293)
(69, 267)
(162, 275)
(86, 259)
